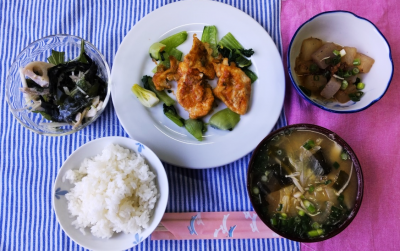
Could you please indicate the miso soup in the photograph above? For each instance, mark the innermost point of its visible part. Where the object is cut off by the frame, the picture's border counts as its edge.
(303, 183)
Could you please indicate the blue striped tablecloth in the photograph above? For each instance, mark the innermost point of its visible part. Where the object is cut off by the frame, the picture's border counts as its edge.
(29, 162)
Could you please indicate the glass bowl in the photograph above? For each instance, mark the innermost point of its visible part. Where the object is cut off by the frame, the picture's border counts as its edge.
(40, 50)
(259, 154)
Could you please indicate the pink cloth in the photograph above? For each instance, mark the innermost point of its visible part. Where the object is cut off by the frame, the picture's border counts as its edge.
(373, 134)
(212, 225)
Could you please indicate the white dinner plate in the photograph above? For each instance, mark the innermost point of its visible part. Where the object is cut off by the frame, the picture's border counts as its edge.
(174, 144)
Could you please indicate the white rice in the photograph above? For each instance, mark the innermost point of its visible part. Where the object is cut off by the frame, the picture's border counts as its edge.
(114, 191)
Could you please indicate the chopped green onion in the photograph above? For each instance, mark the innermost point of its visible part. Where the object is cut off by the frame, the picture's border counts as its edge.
(274, 221)
(256, 190)
(279, 207)
(309, 144)
(336, 165)
(315, 225)
(357, 61)
(310, 207)
(283, 215)
(315, 233)
(344, 85)
(355, 71)
(311, 189)
(344, 155)
(348, 74)
(328, 182)
(264, 178)
(279, 152)
(301, 213)
(336, 52)
(316, 77)
(297, 219)
(360, 86)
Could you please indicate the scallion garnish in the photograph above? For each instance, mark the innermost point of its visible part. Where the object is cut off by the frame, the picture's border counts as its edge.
(309, 144)
(355, 71)
(344, 85)
(256, 190)
(336, 165)
(311, 189)
(360, 86)
(274, 221)
(301, 213)
(315, 225)
(279, 207)
(344, 155)
(309, 206)
(328, 182)
(357, 61)
(336, 52)
(315, 233)
(283, 216)
(347, 74)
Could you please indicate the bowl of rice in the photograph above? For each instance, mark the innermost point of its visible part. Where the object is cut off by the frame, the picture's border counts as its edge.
(110, 194)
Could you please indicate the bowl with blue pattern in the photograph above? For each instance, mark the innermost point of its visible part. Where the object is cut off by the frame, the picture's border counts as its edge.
(118, 241)
(346, 29)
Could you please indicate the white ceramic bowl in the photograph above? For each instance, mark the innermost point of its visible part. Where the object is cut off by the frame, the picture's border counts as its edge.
(118, 241)
(347, 29)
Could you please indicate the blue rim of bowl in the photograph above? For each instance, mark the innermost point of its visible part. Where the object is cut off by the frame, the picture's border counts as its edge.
(321, 106)
(107, 98)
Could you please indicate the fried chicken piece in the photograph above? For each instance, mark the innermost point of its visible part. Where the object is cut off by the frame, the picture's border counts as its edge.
(194, 94)
(233, 88)
(163, 74)
(200, 58)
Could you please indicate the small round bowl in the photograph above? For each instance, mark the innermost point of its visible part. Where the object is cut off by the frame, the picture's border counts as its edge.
(337, 139)
(40, 50)
(120, 241)
(347, 29)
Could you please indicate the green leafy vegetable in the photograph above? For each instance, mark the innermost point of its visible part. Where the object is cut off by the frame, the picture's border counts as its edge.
(174, 41)
(230, 42)
(210, 36)
(82, 55)
(196, 128)
(155, 50)
(242, 62)
(56, 57)
(146, 97)
(253, 77)
(247, 53)
(149, 85)
(171, 113)
(224, 120)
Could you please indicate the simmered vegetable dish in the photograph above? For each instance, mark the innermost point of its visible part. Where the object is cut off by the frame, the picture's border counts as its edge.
(328, 71)
(303, 183)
